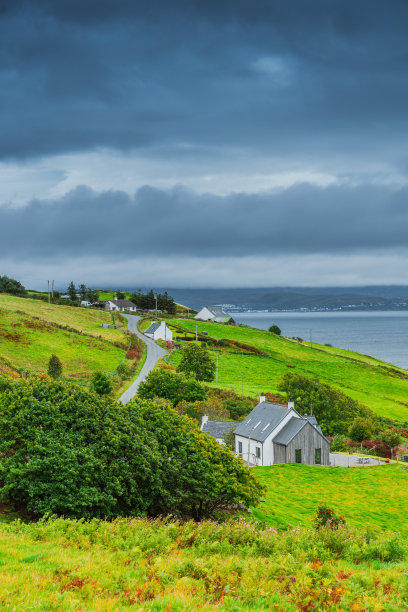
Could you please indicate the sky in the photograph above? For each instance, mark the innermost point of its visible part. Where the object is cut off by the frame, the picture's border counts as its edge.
(203, 143)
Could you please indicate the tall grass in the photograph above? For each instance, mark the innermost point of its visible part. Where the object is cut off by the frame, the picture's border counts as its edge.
(163, 565)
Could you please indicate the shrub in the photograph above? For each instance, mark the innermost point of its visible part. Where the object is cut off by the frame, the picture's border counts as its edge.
(326, 517)
(69, 452)
(54, 367)
(171, 386)
(339, 444)
(361, 429)
(196, 361)
(274, 329)
(100, 383)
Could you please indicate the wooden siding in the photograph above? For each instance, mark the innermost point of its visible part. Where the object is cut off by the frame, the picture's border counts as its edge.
(279, 453)
(307, 440)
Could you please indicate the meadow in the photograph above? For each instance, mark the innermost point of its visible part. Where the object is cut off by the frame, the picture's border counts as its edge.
(28, 343)
(376, 384)
(163, 565)
(371, 496)
(85, 320)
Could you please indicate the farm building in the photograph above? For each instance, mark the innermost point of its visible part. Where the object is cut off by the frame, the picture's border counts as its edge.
(273, 433)
(216, 314)
(159, 331)
(117, 305)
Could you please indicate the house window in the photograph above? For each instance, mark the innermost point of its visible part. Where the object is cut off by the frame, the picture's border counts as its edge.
(239, 448)
(258, 452)
(298, 455)
(318, 456)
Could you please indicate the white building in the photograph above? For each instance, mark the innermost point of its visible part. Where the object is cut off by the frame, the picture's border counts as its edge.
(216, 314)
(120, 305)
(159, 331)
(273, 433)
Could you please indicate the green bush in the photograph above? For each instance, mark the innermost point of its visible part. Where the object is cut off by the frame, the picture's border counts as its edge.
(69, 452)
(197, 362)
(101, 383)
(171, 386)
(54, 367)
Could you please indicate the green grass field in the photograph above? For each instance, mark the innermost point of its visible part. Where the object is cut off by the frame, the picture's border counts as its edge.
(82, 319)
(375, 497)
(380, 386)
(28, 344)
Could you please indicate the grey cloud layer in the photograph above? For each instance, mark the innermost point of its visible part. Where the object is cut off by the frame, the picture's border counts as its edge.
(276, 76)
(301, 220)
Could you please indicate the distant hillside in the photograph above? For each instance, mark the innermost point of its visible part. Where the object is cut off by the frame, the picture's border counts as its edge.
(295, 298)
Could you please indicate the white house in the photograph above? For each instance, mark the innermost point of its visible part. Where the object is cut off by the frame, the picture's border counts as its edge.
(273, 433)
(216, 314)
(117, 305)
(159, 331)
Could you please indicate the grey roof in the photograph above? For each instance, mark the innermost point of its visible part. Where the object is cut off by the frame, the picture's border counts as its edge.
(153, 327)
(218, 311)
(123, 303)
(218, 429)
(290, 430)
(261, 422)
(313, 421)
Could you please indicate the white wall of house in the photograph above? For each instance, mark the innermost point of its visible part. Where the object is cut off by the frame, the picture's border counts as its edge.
(204, 315)
(253, 444)
(162, 333)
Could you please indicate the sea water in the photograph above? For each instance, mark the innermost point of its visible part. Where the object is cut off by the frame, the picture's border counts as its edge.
(381, 334)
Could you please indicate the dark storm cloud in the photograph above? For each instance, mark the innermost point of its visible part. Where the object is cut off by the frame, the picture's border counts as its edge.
(277, 76)
(301, 220)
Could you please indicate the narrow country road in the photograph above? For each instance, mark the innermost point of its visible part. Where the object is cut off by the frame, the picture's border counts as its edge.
(154, 352)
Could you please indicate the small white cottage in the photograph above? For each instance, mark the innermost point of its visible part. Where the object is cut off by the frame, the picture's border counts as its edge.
(120, 305)
(216, 314)
(159, 331)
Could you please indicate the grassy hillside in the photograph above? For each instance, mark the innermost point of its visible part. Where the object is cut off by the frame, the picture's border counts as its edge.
(158, 565)
(369, 496)
(378, 385)
(29, 334)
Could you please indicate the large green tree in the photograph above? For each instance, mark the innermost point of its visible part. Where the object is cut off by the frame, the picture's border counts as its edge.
(196, 361)
(334, 410)
(12, 286)
(69, 452)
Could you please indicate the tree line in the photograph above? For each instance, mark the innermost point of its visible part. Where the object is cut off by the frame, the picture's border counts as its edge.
(147, 301)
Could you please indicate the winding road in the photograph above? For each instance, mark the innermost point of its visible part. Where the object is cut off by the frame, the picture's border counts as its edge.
(154, 352)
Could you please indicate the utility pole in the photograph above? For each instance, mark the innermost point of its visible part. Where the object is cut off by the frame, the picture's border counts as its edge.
(52, 290)
(49, 306)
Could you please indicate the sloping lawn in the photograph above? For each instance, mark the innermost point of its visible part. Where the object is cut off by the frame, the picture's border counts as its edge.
(82, 319)
(28, 344)
(380, 386)
(374, 497)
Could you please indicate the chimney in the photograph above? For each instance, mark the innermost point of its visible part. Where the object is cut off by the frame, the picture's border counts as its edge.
(204, 420)
(262, 398)
(291, 405)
